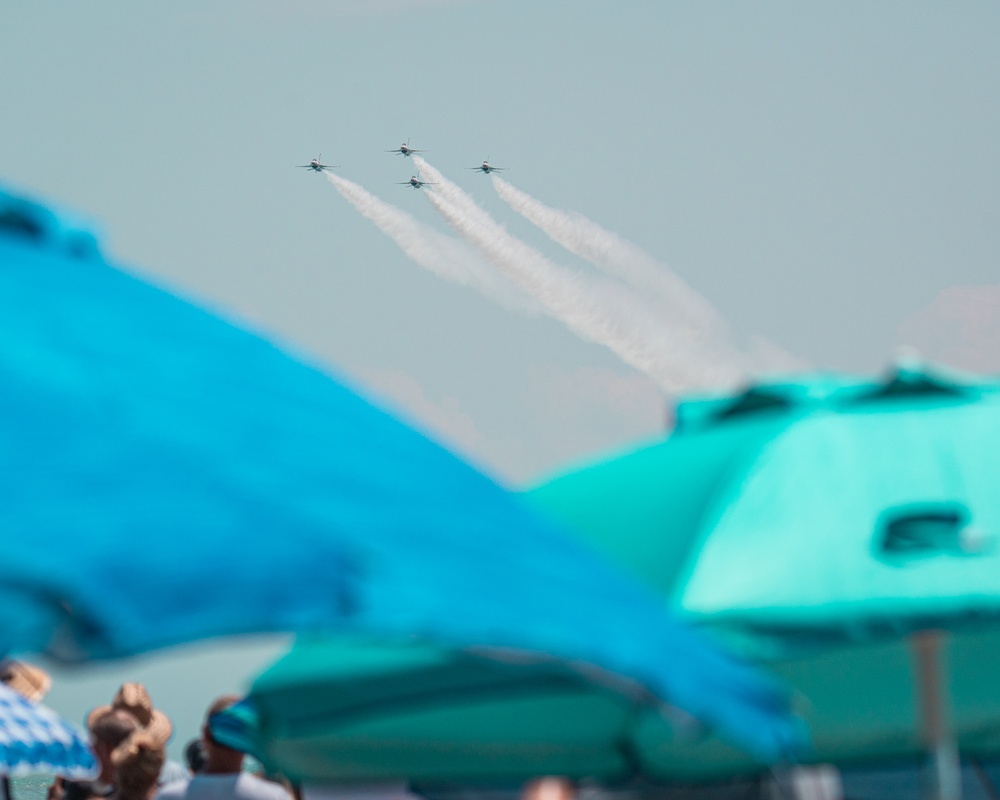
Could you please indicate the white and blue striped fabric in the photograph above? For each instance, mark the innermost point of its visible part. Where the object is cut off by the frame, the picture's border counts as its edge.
(35, 739)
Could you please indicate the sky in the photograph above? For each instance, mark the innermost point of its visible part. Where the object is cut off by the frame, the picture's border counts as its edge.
(825, 176)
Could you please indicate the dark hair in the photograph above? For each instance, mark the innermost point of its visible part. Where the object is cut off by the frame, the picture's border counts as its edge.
(113, 728)
(194, 755)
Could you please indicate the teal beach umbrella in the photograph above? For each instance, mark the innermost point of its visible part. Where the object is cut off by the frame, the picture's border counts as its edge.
(833, 528)
(166, 476)
(342, 711)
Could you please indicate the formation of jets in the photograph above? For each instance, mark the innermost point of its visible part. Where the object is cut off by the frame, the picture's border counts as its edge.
(405, 150)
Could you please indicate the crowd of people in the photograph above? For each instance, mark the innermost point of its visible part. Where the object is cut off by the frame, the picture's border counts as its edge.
(129, 739)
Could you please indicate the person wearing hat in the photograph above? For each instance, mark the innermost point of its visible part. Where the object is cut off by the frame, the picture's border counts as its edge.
(107, 732)
(29, 681)
(222, 776)
(133, 699)
(131, 710)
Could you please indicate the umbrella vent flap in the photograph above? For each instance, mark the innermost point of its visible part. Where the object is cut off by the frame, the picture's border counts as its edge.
(926, 530)
(834, 392)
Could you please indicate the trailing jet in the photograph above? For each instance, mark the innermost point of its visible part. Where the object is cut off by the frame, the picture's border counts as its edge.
(486, 169)
(416, 183)
(316, 165)
(404, 149)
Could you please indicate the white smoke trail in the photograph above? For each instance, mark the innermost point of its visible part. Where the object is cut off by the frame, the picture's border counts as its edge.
(600, 311)
(446, 257)
(621, 258)
(684, 306)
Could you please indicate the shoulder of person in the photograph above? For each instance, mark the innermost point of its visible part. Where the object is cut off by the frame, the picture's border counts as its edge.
(265, 788)
(172, 772)
(172, 790)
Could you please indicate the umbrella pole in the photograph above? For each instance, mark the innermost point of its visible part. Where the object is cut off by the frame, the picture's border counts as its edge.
(934, 723)
(6, 788)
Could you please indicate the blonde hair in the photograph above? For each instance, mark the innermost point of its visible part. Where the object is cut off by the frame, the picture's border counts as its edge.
(137, 762)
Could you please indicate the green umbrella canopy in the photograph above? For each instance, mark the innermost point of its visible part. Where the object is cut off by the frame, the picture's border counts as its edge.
(826, 508)
(339, 710)
(813, 524)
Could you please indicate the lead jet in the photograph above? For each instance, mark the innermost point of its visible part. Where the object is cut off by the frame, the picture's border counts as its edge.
(317, 165)
(416, 183)
(486, 169)
(404, 149)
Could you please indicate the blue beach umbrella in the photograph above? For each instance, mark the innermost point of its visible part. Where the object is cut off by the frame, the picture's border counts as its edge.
(166, 476)
(34, 739)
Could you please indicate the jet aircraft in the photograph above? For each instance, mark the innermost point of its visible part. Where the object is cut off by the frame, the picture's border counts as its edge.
(416, 183)
(486, 169)
(404, 149)
(317, 165)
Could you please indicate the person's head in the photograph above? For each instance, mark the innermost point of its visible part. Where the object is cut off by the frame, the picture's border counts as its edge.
(219, 759)
(137, 762)
(194, 755)
(135, 700)
(549, 788)
(107, 732)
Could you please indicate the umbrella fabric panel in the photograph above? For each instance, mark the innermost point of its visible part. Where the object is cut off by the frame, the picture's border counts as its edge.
(860, 706)
(352, 711)
(644, 508)
(510, 739)
(824, 493)
(702, 516)
(34, 739)
(974, 707)
(171, 477)
(858, 710)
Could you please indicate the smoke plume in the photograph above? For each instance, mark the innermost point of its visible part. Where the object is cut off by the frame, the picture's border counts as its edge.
(598, 310)
(614, 255)
(683, 307)
(446, 257)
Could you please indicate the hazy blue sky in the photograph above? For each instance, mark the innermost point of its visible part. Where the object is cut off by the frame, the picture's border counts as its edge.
(826, 174)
